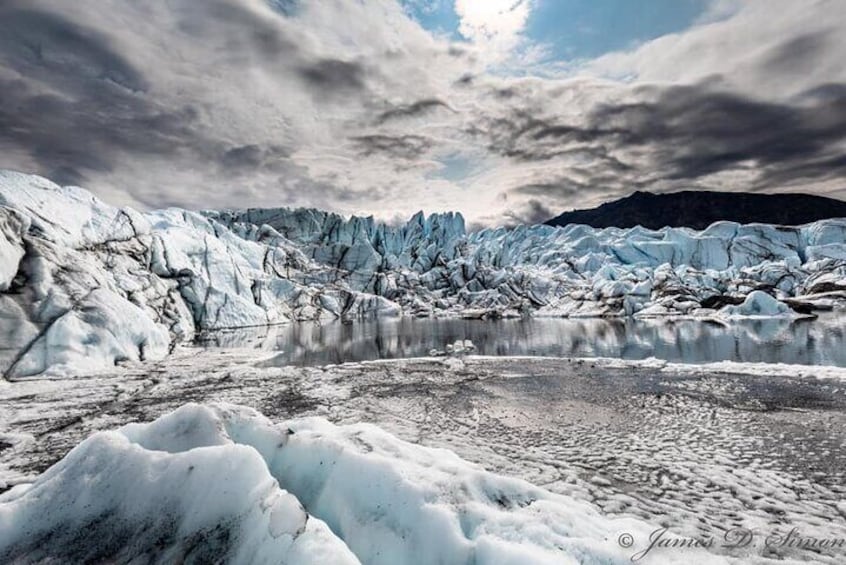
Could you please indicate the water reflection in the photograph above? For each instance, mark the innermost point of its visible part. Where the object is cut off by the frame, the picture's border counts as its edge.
(821, 341)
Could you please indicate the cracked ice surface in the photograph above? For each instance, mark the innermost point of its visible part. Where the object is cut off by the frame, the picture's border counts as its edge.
(700, 449)
(75, 269)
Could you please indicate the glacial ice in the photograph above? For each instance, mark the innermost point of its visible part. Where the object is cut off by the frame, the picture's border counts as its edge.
(758, 304)
(176, 491)
(221, 482)
(103, 330)
(75, 271)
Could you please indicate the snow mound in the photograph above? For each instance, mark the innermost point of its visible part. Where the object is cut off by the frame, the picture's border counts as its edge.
(758, 304)
(222, 482)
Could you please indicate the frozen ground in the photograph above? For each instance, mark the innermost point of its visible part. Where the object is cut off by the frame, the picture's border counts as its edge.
(700, 450)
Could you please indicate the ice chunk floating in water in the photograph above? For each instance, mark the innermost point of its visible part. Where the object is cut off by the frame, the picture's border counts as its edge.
(222, 482)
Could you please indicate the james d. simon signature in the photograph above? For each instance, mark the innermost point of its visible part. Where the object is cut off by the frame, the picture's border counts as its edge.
(737, 538)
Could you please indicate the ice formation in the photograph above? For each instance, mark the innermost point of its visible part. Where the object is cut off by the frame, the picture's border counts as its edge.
(758, 304)
(179, 496)
(223, 483)
(85, 285)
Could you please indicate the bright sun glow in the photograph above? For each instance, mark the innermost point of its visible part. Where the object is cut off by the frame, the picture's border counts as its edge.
(498, 21)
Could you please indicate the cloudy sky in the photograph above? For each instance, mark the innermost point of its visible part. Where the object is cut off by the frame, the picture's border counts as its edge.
(506, 110)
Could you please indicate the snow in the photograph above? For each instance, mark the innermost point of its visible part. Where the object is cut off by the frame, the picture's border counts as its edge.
(186, 272)
(429, 505)
(221, 481)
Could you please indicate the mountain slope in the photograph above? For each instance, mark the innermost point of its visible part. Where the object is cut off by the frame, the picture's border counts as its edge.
(700, 209)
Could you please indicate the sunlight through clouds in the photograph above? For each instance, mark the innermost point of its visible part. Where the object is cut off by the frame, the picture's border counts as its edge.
(493, 24)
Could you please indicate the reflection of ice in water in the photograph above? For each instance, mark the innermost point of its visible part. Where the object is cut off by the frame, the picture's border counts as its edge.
(821, 341)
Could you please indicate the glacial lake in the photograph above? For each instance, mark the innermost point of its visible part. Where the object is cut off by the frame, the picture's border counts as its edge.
(807, 342)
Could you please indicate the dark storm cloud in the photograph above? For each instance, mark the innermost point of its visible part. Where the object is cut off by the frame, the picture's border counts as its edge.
(253, 157)
(398, 146)
(72, 103)
(332, 75)
(576, 184)
(69, 134)
(684, 134)
(696, 132)
(829, 92)
(526, 138)
(546, 189)
(42, 45)
(798, 53)
(411, 110)
(532, 212)
(80, 102)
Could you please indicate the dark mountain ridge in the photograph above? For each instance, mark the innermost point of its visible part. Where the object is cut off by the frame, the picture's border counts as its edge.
(699, 209)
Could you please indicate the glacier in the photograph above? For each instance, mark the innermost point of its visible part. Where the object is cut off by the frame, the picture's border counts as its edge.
(86, 285)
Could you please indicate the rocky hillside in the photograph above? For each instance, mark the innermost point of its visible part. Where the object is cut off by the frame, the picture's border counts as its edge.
(699, 209)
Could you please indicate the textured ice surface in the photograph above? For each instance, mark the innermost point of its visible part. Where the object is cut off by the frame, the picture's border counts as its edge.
(222, 482)
(702, 449)
(173, 492)
(75, 268)
(758, 304)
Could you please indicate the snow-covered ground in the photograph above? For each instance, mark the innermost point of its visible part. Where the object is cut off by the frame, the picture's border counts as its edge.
(86, 285)
(607, 448)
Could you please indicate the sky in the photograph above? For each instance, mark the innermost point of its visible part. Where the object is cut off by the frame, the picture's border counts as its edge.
(509, 111)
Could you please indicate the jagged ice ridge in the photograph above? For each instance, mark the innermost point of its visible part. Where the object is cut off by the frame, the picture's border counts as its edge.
(85, 285)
